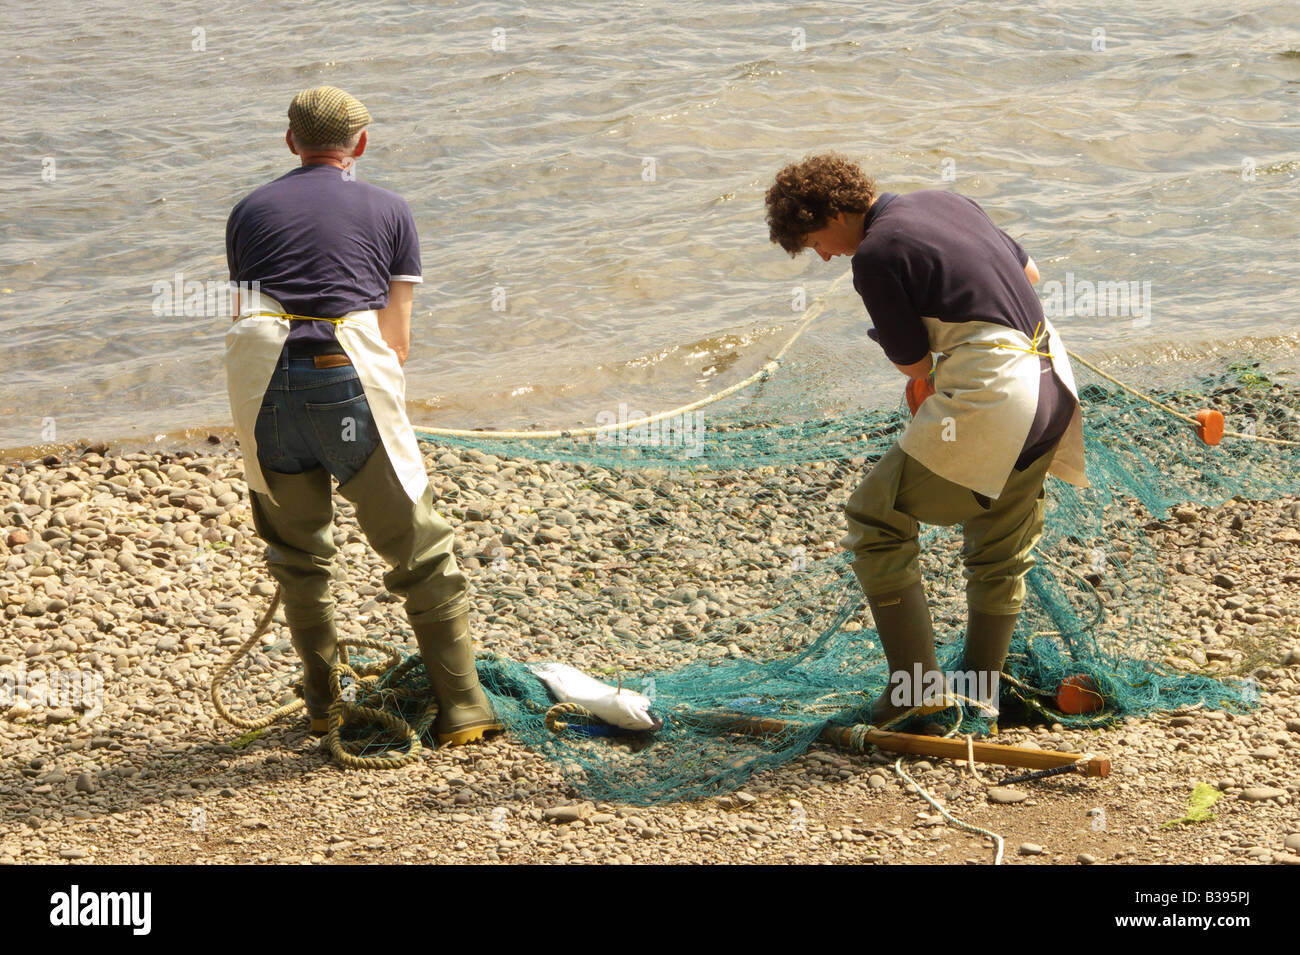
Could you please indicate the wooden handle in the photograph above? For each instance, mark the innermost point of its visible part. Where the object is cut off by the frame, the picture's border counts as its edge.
(998, 753)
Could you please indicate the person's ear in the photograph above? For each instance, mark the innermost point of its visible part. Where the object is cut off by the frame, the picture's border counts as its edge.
(288, 141)
(360, 146)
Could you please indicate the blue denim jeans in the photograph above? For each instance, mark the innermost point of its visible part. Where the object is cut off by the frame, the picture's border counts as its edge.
(314, 417)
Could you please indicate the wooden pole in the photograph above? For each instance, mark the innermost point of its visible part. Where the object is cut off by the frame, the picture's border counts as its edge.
(841, 736)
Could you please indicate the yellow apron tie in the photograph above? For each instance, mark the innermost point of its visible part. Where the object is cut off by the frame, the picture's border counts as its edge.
(1039, 334)
(305, 318)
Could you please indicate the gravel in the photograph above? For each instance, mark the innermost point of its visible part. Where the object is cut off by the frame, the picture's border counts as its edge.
(142, 569)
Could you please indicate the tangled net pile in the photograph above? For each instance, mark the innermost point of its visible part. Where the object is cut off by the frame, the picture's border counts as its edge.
(1096, 604)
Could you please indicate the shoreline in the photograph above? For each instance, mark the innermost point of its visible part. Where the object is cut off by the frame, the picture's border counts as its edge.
(186, 439)
(1170, 365)
(143, 567)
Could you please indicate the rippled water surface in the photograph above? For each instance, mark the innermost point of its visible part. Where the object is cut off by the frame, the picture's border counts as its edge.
(1169, 157)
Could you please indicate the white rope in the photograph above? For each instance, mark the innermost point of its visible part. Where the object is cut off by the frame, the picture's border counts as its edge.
(970, 760)
(969, 827)
(1174, 412)
(812, 313)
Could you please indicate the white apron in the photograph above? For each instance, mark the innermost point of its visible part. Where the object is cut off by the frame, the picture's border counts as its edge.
(253, 347)
(973, 428)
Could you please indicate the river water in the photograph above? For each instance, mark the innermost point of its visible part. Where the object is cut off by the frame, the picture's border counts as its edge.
(588, 183)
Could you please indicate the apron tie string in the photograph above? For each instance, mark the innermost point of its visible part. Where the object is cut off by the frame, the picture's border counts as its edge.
(1040, 333)
(305, 318)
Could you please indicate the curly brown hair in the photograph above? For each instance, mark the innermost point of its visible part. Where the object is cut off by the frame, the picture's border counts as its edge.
(808, 194)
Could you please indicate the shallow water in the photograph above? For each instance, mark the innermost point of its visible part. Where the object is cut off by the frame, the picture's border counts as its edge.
(1169, 157)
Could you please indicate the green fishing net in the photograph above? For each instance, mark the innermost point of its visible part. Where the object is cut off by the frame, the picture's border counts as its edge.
(1098, 603)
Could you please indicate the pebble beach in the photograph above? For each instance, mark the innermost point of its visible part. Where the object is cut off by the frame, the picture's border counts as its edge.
(140, 572)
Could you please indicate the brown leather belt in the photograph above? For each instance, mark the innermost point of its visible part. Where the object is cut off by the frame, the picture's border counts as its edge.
(331, 361)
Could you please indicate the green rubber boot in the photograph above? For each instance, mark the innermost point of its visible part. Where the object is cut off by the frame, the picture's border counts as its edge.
(988, 638)
(464, 713)
(317, 647)
(300, 549)
(907, 635)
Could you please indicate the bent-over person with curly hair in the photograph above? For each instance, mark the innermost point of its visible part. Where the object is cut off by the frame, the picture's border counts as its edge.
(994, 404)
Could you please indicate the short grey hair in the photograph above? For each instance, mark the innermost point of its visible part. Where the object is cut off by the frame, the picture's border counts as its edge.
(346, 147)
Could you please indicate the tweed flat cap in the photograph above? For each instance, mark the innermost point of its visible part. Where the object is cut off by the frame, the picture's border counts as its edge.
(326, 115)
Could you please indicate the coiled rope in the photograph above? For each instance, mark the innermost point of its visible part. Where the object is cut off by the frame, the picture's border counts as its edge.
(220, 677)
(342, 709)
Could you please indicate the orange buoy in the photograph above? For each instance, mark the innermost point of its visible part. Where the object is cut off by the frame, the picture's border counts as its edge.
(1209, 426)
(918, 389)
(1078, 694)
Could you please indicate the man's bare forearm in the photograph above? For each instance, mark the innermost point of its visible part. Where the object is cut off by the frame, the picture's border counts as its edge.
(395, 319)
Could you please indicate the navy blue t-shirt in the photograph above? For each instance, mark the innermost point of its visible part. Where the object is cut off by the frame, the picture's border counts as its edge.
(321, 244)
(936, 253)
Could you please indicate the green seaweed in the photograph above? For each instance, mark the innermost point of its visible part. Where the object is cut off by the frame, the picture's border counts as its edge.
(1203, 797)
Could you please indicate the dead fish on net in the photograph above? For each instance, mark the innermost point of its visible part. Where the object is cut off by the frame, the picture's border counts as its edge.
(620, 710)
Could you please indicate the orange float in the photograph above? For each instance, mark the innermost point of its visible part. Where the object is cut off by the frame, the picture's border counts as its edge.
(918, 389)
(1209, 426)
(1078, 694)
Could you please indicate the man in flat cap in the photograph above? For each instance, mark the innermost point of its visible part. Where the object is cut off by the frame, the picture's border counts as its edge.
(314, 371)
